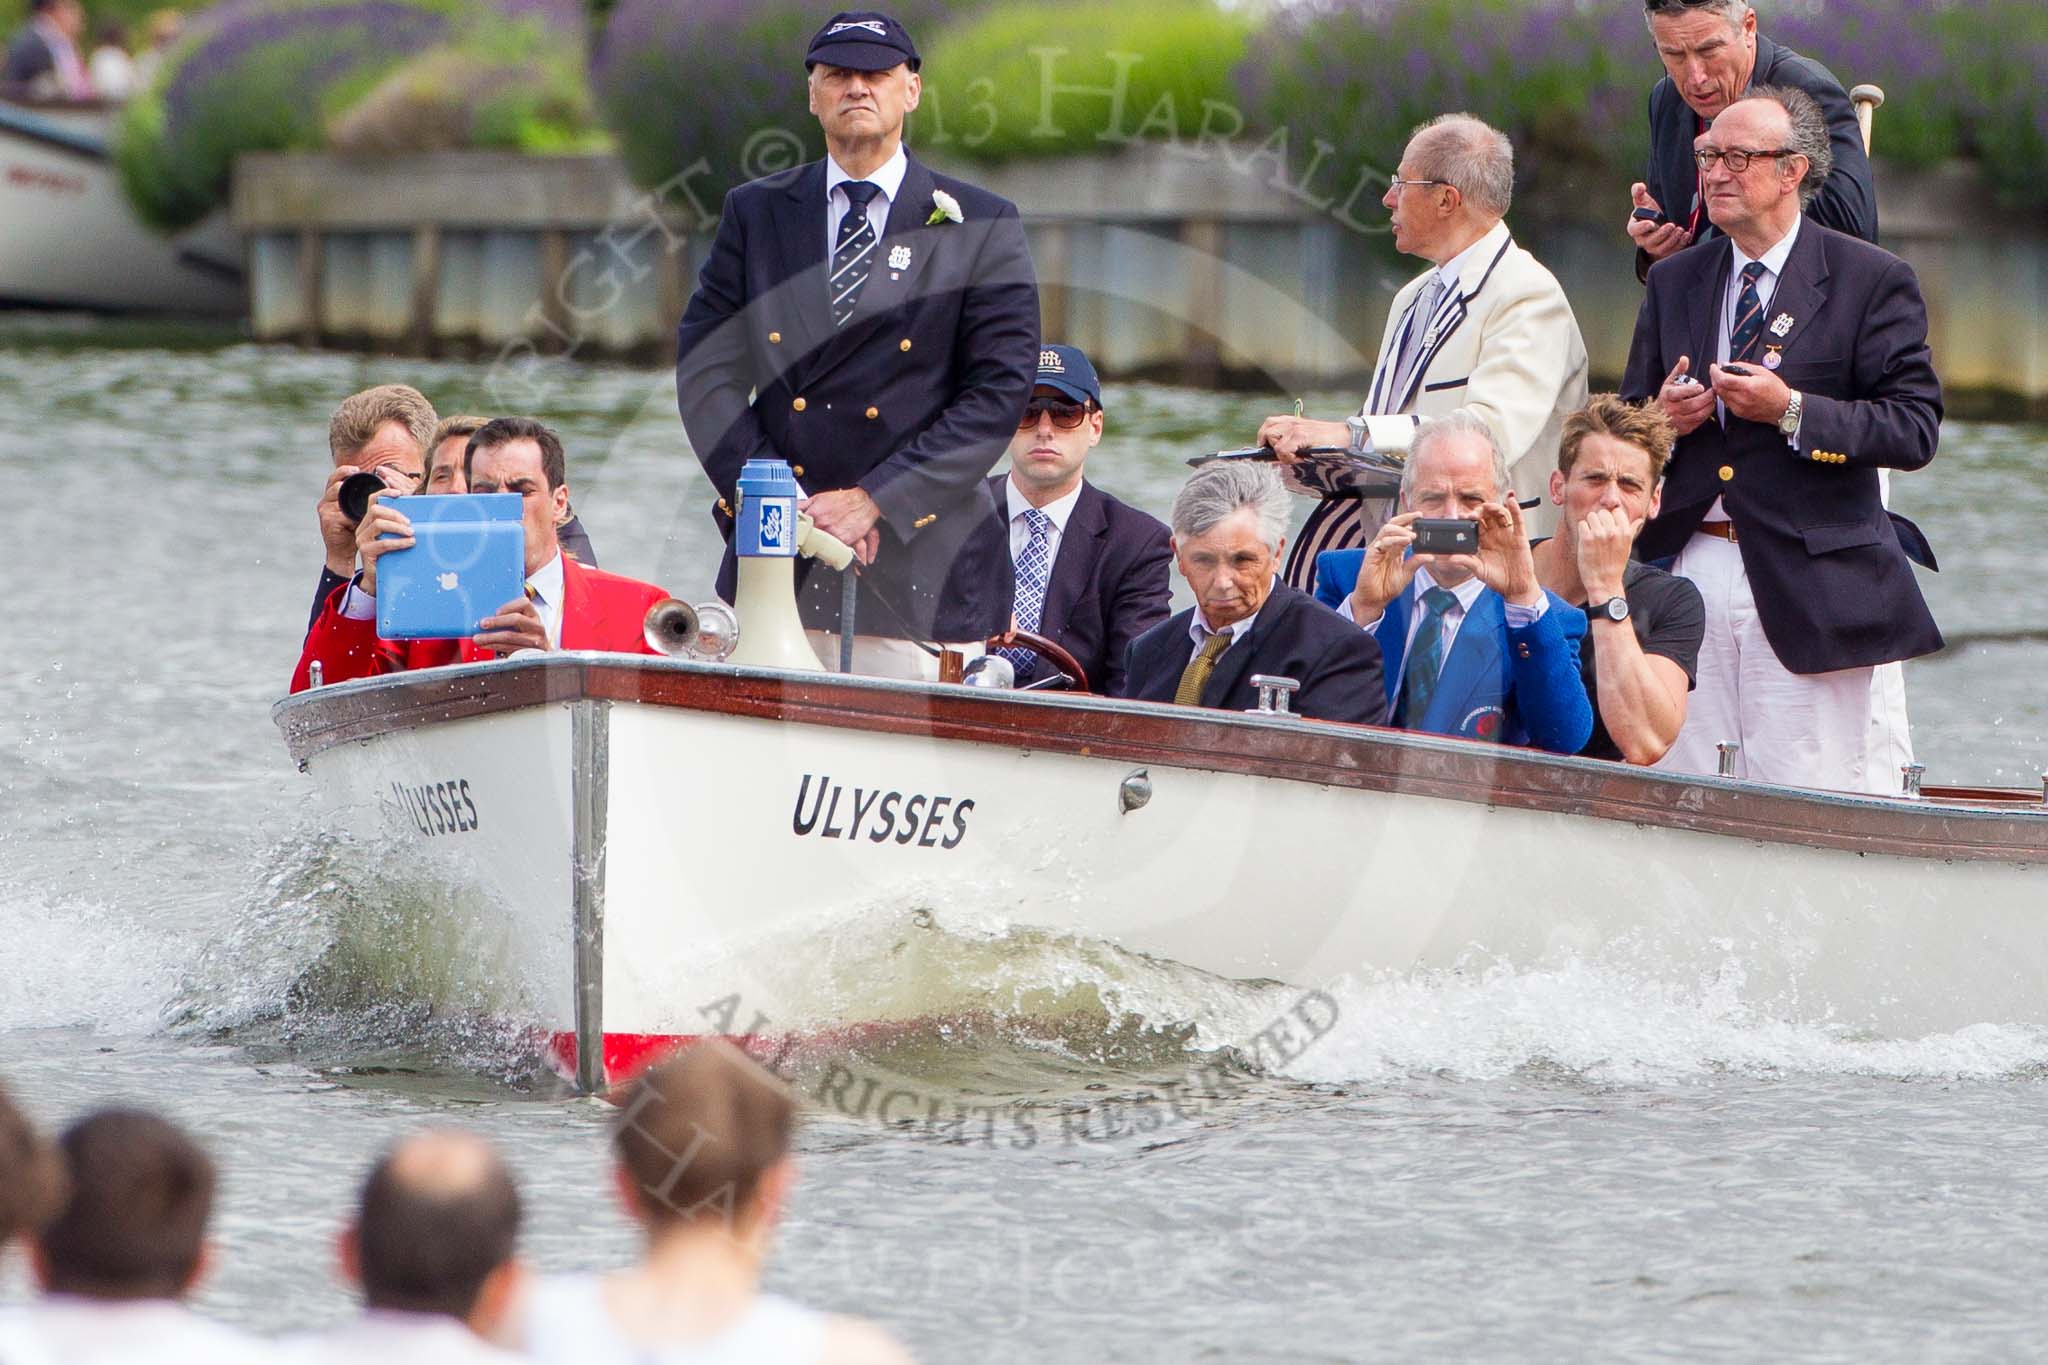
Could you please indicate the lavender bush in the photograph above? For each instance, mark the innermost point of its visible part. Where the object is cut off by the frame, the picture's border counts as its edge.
(1568, 81)
(267, 75)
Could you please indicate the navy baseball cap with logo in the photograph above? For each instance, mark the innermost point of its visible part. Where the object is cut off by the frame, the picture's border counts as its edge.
(1066, 369)
(862, 40)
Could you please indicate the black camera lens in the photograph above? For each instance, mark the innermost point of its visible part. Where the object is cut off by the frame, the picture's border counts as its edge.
(354, 496)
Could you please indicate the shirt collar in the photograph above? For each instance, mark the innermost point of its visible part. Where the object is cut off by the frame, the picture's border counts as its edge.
(1059, 509)
(547, 581)
(1463, 270)
(1467, 592)
(1198, 627)
(1774, 259)
(889, 175)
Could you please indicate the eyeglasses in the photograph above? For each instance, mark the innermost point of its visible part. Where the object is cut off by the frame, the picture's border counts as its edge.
(1404, 184)
(1065, 416)
(1738, 158)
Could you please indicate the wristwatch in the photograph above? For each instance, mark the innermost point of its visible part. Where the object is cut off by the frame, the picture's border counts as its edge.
(1789, 423)
(1614, 609)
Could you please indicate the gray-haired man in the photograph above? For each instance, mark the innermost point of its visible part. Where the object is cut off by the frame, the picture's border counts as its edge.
(1486, 331)
(1229, 529)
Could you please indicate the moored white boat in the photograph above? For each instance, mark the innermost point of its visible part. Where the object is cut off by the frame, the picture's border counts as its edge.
(660, 844)
(71, 239)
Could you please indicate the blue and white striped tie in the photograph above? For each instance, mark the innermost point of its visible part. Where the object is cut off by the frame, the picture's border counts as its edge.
(850, 253)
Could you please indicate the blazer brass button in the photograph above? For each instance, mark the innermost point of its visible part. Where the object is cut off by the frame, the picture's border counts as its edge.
(775, 338)
(873, 413)
(797, 470)
(1727, 470)
(903, 345)
(798, 405)
(925, 521)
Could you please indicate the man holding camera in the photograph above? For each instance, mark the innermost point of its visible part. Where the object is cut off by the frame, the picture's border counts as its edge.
(566, 605)
(1812, 346)
(386, 431)
(1474, 645)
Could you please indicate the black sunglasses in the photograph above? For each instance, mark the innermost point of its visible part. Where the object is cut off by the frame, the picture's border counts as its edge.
(1065, 416)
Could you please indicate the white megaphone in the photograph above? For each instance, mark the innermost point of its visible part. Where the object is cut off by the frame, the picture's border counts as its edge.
(768, 534)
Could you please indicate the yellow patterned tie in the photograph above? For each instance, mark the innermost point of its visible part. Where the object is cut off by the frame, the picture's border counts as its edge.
(1195, 676)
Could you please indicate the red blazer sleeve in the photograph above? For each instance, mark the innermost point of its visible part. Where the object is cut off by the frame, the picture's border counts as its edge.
(344, 648)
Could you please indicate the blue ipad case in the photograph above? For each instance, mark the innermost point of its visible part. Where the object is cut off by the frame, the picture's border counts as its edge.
(468, 559)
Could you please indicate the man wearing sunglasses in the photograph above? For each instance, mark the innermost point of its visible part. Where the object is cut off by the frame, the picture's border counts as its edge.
(1792, 361)
(874, 324)
(1712, 53)
(1087, 571)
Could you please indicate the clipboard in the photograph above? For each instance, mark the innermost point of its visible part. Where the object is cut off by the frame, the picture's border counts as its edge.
(468, 558)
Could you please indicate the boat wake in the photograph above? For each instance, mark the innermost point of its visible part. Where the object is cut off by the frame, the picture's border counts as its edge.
(339, 964)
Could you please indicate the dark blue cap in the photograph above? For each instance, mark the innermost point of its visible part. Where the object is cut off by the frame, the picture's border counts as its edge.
(1066, 369)
(862, 40)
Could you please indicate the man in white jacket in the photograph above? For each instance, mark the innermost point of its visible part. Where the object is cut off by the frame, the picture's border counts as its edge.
(1486, 330)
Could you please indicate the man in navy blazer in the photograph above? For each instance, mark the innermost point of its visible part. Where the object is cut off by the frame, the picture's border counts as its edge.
(1712, 55)
(884, 350)
(1814, 348)
(1229, 529)
(1474, 646)
(1088, 572)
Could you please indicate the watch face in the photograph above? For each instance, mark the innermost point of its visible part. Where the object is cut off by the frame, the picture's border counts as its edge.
(1615, 608)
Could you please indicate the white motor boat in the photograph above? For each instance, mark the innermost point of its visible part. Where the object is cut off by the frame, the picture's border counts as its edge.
(657, 848)
(70, 239)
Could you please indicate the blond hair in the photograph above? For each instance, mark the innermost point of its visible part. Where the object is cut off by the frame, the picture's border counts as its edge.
(1643, 426)
(362, 415)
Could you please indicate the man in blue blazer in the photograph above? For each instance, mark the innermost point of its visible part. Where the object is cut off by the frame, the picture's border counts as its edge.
(1474, 646)
(1793, 362)
(1088, 572)
(876, 326)
(1229, 530)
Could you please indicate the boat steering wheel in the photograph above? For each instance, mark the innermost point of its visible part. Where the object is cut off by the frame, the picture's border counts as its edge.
(1050, 649)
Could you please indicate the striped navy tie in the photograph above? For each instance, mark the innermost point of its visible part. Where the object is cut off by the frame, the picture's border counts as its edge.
(850, 253)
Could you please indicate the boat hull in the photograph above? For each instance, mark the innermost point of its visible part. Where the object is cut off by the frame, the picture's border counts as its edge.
(73, 241)
(670, 846)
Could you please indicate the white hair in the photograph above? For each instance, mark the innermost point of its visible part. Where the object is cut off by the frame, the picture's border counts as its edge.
(1449, 427)
(1220, 490)
(1469, 155)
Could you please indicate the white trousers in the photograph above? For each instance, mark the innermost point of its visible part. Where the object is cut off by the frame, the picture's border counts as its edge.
(877, 656)
(1797, 729)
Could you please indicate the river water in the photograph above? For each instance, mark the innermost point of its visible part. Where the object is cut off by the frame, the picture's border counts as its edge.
(1576, 1163)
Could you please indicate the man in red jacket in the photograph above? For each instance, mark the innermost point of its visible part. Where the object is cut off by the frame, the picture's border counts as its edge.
(567, 605)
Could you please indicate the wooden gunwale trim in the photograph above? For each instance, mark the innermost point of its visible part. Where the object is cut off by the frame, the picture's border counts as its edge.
(1352, 757)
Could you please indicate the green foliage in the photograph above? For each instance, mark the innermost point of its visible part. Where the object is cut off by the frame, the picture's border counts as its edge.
(1036, 80)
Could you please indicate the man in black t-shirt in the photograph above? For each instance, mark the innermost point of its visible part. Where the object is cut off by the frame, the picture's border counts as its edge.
(1644, 626)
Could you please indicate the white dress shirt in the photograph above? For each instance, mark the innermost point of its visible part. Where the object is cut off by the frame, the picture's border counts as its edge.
(1199, 629)
(545, 584)
(889, 175)
(393, 1338)
(1773, 262)
(1058, 510)
(66, 1330)
(1467, 593)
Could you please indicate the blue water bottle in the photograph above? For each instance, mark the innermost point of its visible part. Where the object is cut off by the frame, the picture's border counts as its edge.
(766, 527)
